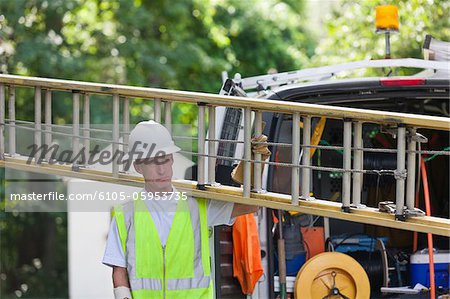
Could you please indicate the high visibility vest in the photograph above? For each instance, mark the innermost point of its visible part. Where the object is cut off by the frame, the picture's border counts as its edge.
(180, 269)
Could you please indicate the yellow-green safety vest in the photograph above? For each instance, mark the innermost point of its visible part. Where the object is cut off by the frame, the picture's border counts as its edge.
(181, 269)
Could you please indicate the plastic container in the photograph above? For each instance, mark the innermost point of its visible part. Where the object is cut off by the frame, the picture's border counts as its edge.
(292, 265)
(419, 268)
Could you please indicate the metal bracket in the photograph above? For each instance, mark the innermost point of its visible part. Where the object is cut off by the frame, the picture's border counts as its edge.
(386, 206)
(389, 207)
(345, 209)
(415, 212)
(418, 138)
(232, 87)
(260, 191)
(389, 130)
(358, 206)
(201, 187)
(76, 167)
(308, 198)
(400, 217)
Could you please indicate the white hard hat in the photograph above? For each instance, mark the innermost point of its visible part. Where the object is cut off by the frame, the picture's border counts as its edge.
(148, 139)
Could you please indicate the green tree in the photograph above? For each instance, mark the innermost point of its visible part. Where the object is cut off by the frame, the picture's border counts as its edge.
(182, 44)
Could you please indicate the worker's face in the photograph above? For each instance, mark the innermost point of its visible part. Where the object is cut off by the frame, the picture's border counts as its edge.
(157, 173)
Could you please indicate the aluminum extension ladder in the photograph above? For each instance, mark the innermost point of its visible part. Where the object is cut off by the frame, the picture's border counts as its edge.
(299, 200)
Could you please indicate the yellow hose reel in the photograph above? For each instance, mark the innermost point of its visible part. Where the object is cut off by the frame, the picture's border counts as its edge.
(332, 275)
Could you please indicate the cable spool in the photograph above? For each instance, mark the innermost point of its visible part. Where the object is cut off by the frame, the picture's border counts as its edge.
(332, 275)
(374, 263)
(379, 161)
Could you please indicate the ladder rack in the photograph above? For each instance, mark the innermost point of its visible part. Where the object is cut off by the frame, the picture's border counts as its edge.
(264, 82)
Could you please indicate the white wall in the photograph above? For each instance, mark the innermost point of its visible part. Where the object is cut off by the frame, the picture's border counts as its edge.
(87, 232)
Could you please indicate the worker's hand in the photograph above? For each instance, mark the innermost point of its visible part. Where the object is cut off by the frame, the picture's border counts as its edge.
(260, 148)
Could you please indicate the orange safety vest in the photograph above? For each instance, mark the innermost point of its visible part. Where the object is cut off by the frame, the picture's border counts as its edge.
(247, 265)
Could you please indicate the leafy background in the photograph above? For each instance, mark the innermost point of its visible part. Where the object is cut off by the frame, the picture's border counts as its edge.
(183, 44)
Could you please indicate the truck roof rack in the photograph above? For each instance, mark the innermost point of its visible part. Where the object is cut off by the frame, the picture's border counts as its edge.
(264, 82)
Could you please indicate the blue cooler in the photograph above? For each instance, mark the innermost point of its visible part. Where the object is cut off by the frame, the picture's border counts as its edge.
(419, 268)
(293, 264)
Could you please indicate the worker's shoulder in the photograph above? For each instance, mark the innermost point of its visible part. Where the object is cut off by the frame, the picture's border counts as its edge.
(124, 207)
(126, 210)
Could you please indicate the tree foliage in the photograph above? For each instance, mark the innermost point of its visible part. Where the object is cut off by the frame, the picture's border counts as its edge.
(33, 246)
(182, 44)
(172, 44)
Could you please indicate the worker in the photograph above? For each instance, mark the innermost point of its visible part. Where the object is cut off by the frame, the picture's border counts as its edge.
(158, 245)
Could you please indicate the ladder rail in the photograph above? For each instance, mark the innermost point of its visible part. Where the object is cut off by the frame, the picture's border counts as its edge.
(421, 121)
(426, 224)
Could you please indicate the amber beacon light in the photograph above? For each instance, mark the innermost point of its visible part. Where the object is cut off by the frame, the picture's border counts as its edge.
(386, 21)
